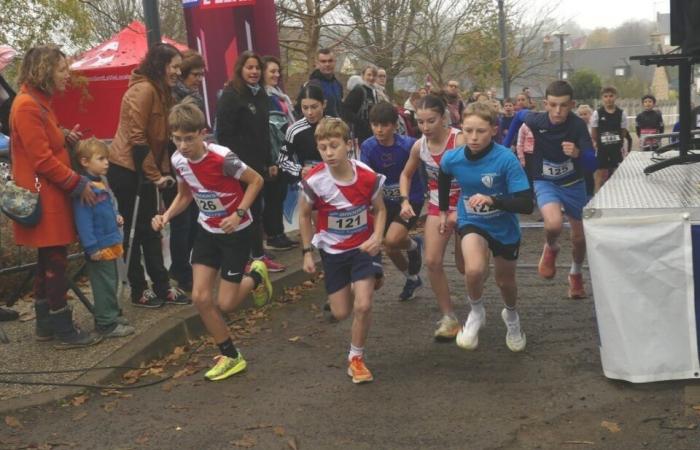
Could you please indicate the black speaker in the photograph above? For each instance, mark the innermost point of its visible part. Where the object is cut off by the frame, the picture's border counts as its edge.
(685, 25)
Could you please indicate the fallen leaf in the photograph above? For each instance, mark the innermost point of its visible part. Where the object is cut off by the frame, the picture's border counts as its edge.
(178, 428)
(246, 441)
(308, 284)
(292, 443)
(294, 339)
(696, 407)
(144, 438)
(79, 416)
(110, 406)
(279, 430)
(108, 392)
(167, 387)
(610, 426)
(79, 400)
(132, 376)
(12, 422)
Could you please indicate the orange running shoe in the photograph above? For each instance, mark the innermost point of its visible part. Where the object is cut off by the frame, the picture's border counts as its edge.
(358, 371)
(576, 289)
(547, 267)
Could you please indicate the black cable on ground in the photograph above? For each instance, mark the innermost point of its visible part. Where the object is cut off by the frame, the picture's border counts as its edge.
(85, 370)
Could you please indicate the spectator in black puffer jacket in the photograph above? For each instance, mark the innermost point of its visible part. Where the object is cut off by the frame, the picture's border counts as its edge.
(242, 125)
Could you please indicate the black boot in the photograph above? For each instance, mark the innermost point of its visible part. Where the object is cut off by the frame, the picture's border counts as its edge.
(67, 334)
(44, 332)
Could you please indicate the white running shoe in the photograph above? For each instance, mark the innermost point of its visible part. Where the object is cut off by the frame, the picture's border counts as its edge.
(515, 337)
(468, 336)
(448, 327)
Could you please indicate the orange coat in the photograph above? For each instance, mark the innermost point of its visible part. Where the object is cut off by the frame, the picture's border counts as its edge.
(38, 147)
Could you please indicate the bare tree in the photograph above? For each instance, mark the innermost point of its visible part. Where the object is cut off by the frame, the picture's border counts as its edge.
(301, 26)
(379, 32)
(439, 37)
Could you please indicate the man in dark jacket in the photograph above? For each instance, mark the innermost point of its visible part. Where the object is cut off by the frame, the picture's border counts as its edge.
(324, 77)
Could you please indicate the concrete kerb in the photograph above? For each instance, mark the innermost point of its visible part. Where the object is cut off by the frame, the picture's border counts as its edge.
(154, 343)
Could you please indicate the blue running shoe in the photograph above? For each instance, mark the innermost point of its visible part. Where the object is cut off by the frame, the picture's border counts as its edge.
(410, 288)
(415, 257)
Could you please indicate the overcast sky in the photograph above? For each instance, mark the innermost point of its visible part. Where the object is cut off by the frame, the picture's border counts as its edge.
(607, 13)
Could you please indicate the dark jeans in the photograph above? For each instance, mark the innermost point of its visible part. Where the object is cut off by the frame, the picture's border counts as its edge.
(183, 229)
(50, 281)
(256, 228)
(124, 183)
(275, 193)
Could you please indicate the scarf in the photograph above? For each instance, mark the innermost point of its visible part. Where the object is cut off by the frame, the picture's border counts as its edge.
(284, 98)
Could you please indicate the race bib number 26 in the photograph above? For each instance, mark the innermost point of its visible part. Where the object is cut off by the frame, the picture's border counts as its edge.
(209, 204)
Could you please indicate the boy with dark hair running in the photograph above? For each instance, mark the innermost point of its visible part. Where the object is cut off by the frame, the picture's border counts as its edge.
(386, 153)
(214, 177)
(347, 195)
(608, 130)
(563, 151)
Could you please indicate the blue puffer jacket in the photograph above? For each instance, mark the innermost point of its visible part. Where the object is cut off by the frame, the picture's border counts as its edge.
(97, 225)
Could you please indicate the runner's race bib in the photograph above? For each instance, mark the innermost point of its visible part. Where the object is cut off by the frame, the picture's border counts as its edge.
(483, 210)
(392, 192)
(648, 142)
(348, 221)
(554, 171)
(609, 138)
(209, 204)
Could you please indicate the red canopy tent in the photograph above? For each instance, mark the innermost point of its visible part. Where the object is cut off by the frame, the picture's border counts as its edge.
(106, 68)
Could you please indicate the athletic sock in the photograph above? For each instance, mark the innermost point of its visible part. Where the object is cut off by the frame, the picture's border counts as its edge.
(409, 276)
(228, 349)
(355, 351)
(575, 268)
(257, 279)
(477, 307)
(413, 246)
(511, 313)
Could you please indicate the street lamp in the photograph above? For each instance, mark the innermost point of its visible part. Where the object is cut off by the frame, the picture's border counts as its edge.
(561, 35)
(504, 61)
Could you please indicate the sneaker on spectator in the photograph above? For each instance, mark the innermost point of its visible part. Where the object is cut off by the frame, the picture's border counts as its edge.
(273, 266)
(148, 299)
(280, 242)
(177, 296)
(117, 331)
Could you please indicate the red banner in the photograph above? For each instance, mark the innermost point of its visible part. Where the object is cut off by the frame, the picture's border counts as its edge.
(211, 4)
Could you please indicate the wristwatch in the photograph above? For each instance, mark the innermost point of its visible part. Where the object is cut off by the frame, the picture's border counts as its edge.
(403, 198)
(240, 213)
(306, 250)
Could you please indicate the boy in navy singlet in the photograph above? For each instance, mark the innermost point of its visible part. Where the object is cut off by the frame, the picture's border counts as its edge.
(386, 153)
(213, 176)
(608, 130)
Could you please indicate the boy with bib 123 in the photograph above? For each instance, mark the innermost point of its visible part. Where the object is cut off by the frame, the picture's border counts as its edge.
(348, 197)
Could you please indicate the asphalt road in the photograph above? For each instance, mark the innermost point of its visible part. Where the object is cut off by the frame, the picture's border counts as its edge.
(426, 395)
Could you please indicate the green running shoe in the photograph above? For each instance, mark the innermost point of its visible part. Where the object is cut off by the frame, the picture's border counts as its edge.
(263, 293)
(225, 367)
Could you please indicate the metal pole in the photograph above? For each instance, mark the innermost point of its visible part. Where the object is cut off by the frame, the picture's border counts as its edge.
(561, 56)
(152, 19)
(504, 61)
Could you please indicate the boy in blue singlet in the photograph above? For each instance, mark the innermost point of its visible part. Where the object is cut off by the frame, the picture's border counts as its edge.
(386, 153)
(494, 189)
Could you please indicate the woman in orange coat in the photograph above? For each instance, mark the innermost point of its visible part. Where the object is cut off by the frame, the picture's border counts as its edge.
(40, 160)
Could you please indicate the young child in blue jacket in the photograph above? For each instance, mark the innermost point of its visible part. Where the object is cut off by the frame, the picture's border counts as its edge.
(101, 237)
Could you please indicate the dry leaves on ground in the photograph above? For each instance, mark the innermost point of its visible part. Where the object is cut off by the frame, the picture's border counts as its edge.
(612, 427)
(292, 443)
(13, 422)
(294, 339)
(79, 399)
(247, 441)
(279, 430)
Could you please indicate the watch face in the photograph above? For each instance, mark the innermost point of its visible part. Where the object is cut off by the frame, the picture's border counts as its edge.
(240, 212)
